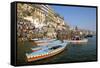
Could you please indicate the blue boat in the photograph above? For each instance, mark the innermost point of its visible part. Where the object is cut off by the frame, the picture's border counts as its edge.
(51, 49)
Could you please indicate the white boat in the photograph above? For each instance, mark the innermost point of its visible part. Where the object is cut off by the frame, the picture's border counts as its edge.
(47, 51)
(43, 42)
(78, 41)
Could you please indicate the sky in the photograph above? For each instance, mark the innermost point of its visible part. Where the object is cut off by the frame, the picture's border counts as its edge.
(82, 17)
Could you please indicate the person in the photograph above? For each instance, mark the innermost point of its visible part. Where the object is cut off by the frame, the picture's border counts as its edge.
(59, 36)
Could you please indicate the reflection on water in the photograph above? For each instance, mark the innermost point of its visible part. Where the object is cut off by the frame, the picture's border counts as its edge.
(73, 53)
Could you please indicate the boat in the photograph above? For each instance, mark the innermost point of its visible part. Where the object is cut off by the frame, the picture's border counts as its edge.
(36, 49)
(77, 39)
(89, 35)
(46, 51)
(42, 42)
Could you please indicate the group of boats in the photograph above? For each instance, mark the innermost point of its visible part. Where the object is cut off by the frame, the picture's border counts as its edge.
(51, 48)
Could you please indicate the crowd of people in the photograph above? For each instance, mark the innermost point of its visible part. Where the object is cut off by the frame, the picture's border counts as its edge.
(27, 31)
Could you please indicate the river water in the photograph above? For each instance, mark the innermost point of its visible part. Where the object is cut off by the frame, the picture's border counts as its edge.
(74, 53)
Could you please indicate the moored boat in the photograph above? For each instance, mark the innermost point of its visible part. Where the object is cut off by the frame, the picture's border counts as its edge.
(77, 39)
(89, 35)
(42, 42)
(47, 51)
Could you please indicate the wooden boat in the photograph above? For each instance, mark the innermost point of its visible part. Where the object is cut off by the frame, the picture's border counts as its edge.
(89, 35)
(47, 51)
(42, 42)
(77, 39)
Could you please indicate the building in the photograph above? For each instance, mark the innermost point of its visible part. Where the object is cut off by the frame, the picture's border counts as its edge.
(42, 17)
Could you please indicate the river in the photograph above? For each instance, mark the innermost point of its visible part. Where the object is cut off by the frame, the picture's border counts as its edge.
(72, 53)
